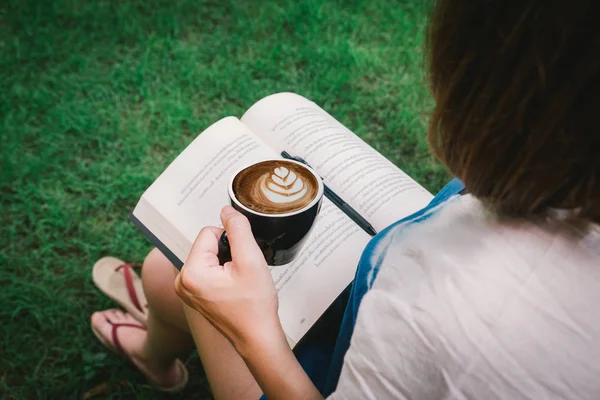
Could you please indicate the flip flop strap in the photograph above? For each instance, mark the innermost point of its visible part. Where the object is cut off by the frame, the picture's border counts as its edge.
(129, 284)
(115, 337)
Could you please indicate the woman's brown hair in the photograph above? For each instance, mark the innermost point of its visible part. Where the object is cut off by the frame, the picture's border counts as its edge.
(517, 92)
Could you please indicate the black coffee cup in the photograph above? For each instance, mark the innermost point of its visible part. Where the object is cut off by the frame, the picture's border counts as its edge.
(279, 236)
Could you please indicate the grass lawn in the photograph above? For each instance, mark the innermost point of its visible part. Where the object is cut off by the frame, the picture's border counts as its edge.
(96, 98)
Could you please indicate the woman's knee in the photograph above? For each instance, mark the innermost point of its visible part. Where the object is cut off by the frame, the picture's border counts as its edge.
(157, 273)
(158, 279)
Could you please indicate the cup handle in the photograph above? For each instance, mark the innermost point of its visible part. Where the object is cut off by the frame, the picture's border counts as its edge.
(224, 253)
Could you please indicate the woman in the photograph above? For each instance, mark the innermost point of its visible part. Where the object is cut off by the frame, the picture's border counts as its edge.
(488, 295)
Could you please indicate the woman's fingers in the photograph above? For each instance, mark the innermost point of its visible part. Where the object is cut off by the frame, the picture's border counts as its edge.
(242, 243)
(237, 297)
(206, 247)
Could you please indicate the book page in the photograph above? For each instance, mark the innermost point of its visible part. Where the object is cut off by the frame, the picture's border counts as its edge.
(362, 177)
(190, 193)
(326, 265)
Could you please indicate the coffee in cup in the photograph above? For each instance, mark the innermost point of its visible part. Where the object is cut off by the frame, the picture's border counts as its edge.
(281, 199)
(275, 187)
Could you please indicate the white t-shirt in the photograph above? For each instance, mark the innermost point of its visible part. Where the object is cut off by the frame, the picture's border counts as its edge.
(466, 306)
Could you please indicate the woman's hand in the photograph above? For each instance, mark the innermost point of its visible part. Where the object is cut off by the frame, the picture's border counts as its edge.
(239, 298)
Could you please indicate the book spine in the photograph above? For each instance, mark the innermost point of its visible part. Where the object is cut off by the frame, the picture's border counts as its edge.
(156, 242)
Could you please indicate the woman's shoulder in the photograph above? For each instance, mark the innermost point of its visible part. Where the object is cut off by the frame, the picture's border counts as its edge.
(465, 288)
(464, 229)
(463, 238)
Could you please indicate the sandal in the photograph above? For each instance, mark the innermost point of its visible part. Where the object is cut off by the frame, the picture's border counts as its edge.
(116, 347)
(117, 281)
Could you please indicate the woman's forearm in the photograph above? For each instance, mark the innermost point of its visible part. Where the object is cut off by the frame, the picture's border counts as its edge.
(277, 372)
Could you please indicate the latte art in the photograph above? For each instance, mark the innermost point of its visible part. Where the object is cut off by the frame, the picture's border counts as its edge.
(275, 187)
(283, 186)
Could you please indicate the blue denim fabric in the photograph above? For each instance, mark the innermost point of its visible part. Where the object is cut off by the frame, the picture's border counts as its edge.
(321, 352)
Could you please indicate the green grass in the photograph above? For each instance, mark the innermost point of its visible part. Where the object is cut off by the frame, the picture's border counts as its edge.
(96, 97)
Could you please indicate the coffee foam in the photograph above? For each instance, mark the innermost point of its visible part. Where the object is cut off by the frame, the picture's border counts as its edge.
(275, 187)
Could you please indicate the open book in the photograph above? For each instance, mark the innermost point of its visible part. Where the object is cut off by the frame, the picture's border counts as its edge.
(190, 193)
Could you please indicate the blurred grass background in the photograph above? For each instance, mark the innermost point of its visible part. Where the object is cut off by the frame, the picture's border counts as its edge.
(97, 97)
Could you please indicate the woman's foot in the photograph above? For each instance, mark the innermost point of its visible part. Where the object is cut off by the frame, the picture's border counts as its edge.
(122, 333)
(119, 282)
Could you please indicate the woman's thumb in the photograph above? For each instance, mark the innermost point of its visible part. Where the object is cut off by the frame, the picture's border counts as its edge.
(241, 241)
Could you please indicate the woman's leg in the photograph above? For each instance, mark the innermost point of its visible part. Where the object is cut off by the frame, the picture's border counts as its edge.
(168, 337)
(168, 332)
(227, 373)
